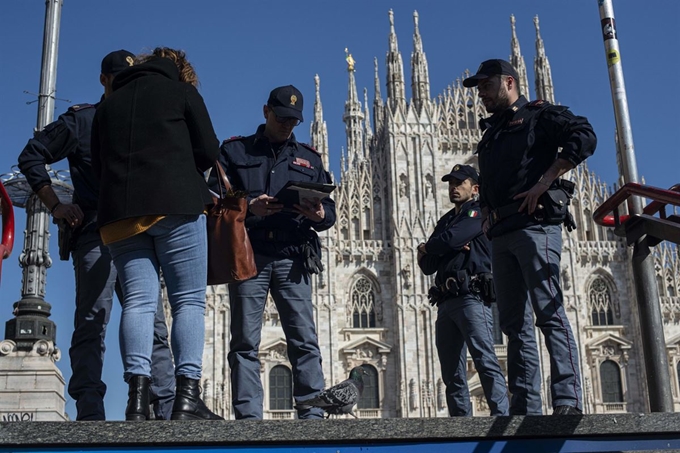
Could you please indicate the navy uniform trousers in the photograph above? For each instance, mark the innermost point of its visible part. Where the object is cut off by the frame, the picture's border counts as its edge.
(290, 287)
(95, 283)
(526, 269)
(466, 321)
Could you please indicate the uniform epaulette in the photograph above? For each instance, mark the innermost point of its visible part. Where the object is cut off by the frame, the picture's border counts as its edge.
(310, 147)
(77, 107)
(235, 137)
(538, 103)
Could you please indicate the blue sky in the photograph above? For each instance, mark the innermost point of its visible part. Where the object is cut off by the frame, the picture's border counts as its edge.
(241, 50)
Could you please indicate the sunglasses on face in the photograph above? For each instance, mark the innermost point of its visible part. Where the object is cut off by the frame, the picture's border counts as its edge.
(284, 120)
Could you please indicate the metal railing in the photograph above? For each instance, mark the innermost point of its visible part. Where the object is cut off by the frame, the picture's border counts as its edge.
(643, 230)
(660, 197)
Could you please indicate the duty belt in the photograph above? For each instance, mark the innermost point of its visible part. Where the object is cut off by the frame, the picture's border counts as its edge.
(463, 283)
(504, 212)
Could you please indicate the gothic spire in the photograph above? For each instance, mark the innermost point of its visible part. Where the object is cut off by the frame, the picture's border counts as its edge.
(353, 116)
(517, 60)
(377, 99)
(395, 69)
(544, 83)
(367, 117)
(420, 80)
(368, 131)
(317, 131)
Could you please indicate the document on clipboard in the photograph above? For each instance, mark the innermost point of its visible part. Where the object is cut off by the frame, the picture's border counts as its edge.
(296, 191)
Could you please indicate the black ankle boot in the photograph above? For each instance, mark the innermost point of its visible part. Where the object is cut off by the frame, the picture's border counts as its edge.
(138, 399)
(188, 403)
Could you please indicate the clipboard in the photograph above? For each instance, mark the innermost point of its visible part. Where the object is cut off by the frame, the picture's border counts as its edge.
(296, 191)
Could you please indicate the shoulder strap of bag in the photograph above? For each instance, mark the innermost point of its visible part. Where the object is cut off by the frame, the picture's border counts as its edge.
(222, 179)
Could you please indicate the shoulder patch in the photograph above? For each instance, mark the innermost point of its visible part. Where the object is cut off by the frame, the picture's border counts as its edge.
(233, 138)
(77, 107)
(311, 148)
(473, 213)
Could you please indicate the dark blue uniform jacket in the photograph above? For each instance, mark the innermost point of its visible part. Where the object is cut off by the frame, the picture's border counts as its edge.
(252, 165)
(522, 142)
(445, 254)
(66, 138)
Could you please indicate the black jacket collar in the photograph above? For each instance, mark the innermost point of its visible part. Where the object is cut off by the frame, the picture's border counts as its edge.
(491, 121)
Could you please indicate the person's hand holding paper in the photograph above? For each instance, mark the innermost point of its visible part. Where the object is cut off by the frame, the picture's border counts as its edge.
(305, 198)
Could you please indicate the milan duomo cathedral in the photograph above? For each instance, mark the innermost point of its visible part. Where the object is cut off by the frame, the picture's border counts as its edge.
(370, 302)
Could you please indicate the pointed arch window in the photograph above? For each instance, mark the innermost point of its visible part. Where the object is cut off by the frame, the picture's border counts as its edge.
(610, 374)
(280, 389)
(370, 397)
(363, 304)
(600, 301)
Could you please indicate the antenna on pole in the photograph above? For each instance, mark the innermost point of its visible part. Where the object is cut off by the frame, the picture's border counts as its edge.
(50, 95)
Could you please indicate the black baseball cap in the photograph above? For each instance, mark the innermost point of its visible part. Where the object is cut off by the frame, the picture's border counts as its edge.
(462, 172)
(117, 61)
(286, 102)
(491, 68)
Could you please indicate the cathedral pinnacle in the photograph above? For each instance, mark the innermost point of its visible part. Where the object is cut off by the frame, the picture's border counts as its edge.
(542, 72)
(420, 79)
(318, 131)
(353, 116)
(517, 60)
(395, 69)
(376, 82)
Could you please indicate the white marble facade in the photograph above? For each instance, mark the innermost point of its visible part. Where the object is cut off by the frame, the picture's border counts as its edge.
(370, 302)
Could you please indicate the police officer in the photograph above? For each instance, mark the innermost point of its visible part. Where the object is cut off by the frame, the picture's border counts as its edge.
(69, 138)
(287, 251)
(524, 204)
(460, 254)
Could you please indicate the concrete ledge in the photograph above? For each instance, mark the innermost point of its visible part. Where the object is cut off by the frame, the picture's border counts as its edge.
(377, 431)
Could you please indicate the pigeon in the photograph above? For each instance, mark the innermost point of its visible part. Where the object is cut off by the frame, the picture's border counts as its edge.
(341, 398)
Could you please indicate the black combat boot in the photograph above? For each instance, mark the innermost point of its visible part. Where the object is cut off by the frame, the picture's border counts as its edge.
(138, 399)
(188, 403)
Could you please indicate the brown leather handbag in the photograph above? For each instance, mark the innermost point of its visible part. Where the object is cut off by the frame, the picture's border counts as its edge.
(230, 255)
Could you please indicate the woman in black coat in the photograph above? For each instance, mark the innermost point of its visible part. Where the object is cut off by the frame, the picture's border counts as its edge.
(152, 139)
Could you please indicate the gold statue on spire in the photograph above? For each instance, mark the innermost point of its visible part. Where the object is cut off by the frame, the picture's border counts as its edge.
(349, 60)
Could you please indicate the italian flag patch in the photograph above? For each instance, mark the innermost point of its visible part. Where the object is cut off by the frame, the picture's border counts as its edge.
(473, 213)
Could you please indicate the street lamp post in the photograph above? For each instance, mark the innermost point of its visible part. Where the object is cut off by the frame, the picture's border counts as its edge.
(31, 322)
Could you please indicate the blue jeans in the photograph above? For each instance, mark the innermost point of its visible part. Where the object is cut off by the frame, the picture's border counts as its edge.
(95, 282)
(462, 321)
(177, 245)
(526, 269)
(291, 290)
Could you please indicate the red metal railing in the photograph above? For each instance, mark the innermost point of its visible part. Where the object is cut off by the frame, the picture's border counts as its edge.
(7, 211)
(661, 197)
